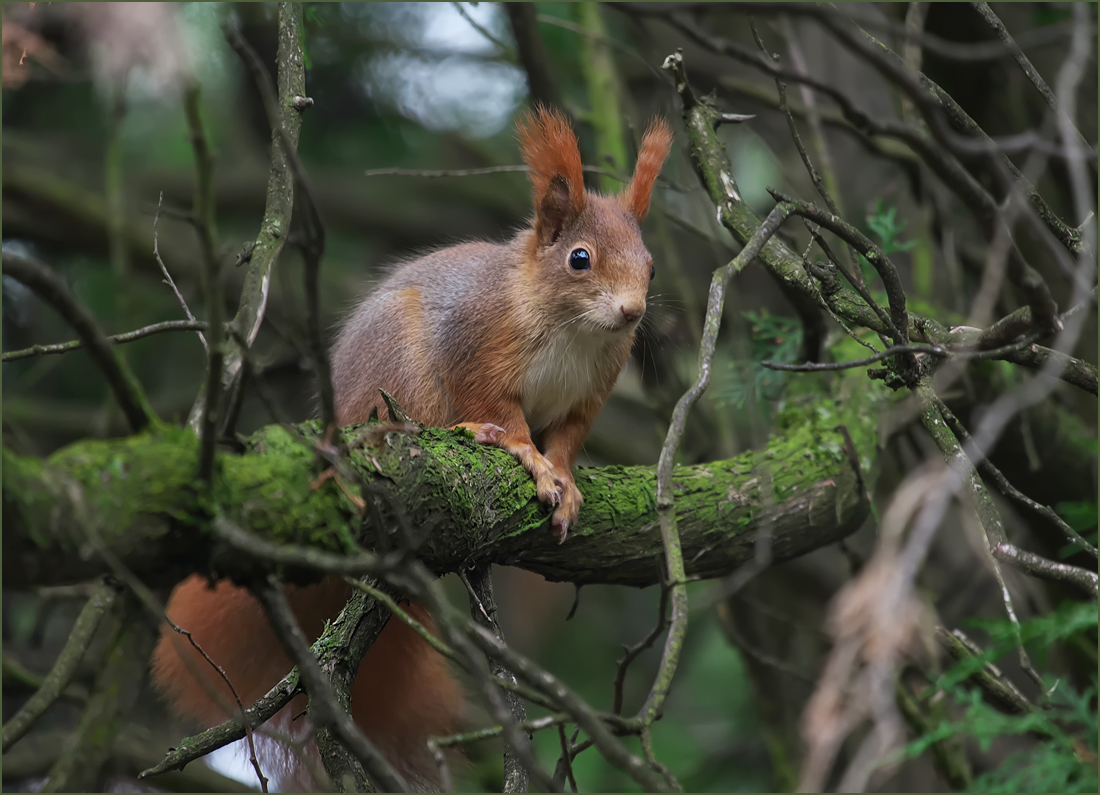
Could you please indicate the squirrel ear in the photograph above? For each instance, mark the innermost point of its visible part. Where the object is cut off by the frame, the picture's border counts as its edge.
(655, 147)
(550, 151)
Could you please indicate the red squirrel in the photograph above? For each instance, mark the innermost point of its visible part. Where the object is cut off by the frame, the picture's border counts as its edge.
(521, 343)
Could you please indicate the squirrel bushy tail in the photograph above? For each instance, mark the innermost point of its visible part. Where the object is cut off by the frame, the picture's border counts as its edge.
(403, 693)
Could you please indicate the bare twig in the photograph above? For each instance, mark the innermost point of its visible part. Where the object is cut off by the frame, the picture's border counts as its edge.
(439, 173)
(566, 762)
(986, 467)
(886, 269)
(1038, 566)
(48, 286)
(313, 248)
(968, 52)
(507, 683)
(483, 610)
(206, 423)
(164, 268)
(323, 707)
(632, 652)
(520, 169)
(587, 718)
(118, 684)
(992, 525)
(995, 687)
(219, 736)
(236, 697)
(915, 17)
(115, 339)
(1017, 54)
(505, 50)
(675, 576)
(462, 634)
(541, 80)
(101, 601)
(274, 230)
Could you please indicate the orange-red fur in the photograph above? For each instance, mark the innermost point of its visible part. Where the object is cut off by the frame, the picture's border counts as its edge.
(505, 339)
(549, 148)
(655, 147)
(402, 694)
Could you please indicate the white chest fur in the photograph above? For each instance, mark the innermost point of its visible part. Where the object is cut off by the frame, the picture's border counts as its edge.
(563, 372)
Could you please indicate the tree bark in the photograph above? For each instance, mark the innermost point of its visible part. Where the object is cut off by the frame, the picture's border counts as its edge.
(136, 498)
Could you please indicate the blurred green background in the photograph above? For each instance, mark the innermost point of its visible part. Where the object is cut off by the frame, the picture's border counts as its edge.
(421, 86)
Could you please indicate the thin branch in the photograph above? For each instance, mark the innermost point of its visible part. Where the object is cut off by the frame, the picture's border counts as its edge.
(915, 17)
(483, 609)
(934, 103)
(263, 252)
(206, 423)
(236, 697)
(587, 718)
(313, 248)
(989, 517)
(520, 169)
(48, 286)
(931, 100)
(206, 742)
(438, 173)
(115, 339)
(886, 269)
(541, 80)
(854, 277)
(632, 652)
(986, 467)
(164, 268)
(670, 537)
(101, 601)
(603, 38)
(437, 744)
(781, 89)
(462, 634)
(813, 113)
(1017, 54)
(118, 685)
(477, 735)
(996, 688)
(323, 707)
(969, 52)
(947, 755)
(505, 50)
(507, 683)
(566, 762)
(1038, 566)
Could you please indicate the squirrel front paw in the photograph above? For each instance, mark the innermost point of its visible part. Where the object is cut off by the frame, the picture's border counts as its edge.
(569, 509)
(547, 484)
(484, 432)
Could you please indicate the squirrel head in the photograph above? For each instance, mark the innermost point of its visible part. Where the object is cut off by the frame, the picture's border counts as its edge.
(590, 263)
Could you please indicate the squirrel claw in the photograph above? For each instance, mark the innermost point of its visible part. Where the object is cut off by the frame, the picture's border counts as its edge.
(484, 432)
(552, 496)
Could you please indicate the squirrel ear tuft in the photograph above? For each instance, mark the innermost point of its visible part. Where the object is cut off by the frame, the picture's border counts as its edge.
(656, 144)
(549, 149)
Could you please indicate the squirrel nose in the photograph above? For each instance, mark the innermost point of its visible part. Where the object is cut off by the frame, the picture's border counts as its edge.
(631, 312)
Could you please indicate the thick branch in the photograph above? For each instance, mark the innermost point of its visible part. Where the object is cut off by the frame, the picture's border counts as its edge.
(475, 503)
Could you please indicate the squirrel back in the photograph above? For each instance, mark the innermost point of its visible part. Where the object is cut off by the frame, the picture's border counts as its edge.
(521, 343)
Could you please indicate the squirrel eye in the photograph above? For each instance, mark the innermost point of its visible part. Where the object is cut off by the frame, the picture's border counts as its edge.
(579, 260)
(652, 272)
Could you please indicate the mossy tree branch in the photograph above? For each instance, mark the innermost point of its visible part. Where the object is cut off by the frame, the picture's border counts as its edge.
(478, 504)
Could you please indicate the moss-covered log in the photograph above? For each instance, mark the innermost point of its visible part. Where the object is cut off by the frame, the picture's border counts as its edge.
(136, 497)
